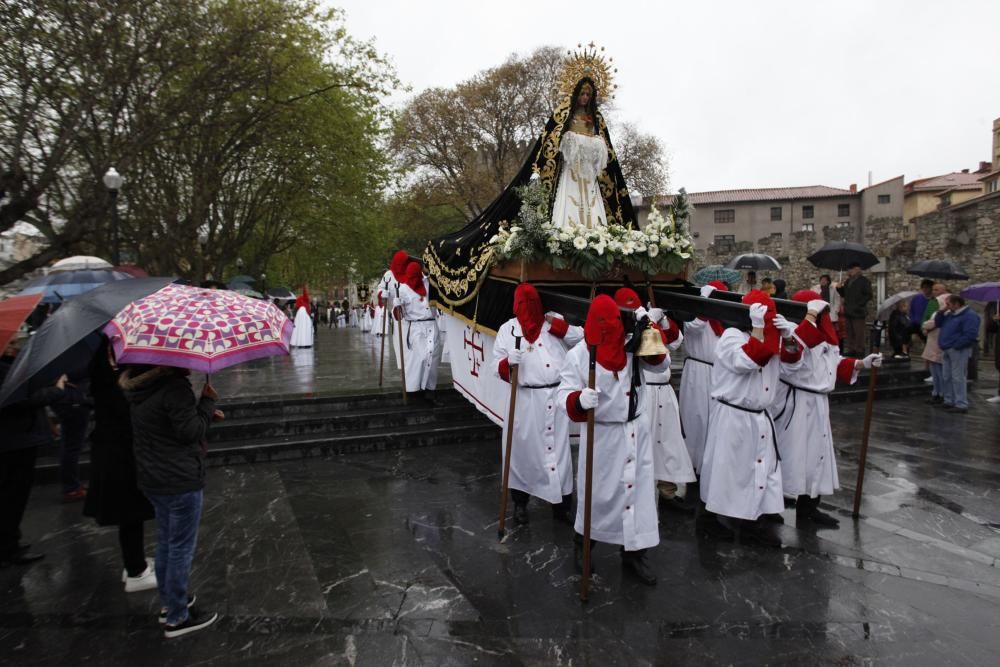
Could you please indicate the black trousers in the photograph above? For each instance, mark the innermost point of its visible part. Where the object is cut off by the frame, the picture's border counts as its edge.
(17, 474)
(130, 538)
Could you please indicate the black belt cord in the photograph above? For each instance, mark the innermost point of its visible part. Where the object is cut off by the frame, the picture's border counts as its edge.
(774, 434)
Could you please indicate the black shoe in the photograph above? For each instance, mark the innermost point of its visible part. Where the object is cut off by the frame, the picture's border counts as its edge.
(710, 525)
(195, 622)
(636, 563)
(934, 400)
(957, 410)
(521, 514)
(431, 400)
(676, 504)
(772, 518)
(760, 533)
(163, 610)
(823, 520)
(563, 511)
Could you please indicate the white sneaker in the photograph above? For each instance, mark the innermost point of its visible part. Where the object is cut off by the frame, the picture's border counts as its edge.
(150, 565)
(995, 399)
(144, 582)
(929, 380)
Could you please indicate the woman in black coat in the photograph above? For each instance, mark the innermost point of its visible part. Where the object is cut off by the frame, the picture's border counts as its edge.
(114, 498)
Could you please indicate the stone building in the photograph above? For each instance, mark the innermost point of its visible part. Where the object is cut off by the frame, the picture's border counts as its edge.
(925, 195)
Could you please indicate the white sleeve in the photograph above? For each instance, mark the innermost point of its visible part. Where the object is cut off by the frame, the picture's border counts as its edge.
(571, 375)
(730, 355)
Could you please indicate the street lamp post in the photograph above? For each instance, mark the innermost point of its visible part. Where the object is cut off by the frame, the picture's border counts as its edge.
(113, 182)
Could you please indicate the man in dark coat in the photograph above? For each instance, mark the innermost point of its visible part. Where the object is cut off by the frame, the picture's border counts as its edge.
(25, 427)
(169, 428)
(856, 292)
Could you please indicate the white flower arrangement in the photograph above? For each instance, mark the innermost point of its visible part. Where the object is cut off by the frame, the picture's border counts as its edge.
(662, 245)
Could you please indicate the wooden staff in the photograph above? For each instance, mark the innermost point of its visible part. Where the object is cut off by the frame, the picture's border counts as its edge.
(589, 481)
(381, 354)
(864, 441)
(505, 485)
(402, 356)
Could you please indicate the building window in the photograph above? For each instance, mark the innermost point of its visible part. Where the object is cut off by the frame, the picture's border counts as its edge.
(725, 215)
(884, 199)
(843, 224)
(992, 186)
(807, 227)
(775, 213)
(725, 238)
(945, 200)
(807, 212)
(843, 210)
(776, 235)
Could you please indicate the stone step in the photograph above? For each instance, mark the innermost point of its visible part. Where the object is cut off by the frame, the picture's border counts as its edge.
(336, 421)
(327, 404)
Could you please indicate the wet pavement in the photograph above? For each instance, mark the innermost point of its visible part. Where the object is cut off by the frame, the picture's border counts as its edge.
(392, 558)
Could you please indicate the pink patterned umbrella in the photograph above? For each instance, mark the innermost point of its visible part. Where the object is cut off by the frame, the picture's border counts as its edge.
(204, 330)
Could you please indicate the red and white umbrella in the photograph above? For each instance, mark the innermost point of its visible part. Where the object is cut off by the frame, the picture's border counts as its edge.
(204, 330)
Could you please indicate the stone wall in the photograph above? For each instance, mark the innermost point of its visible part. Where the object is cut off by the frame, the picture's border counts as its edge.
(966, 234)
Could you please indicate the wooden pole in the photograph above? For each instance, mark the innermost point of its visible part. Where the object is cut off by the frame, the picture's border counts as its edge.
(589, 482)
(402, 356)
(864, 441)
(505, 484)
(381, 354)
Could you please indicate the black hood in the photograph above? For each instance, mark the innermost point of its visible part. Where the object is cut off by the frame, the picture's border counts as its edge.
(139, 386)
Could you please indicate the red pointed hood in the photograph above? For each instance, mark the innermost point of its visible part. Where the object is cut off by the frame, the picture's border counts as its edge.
(303, 299)
(823, 322)
(398, 265)
(415, 278)
(772, 338)
(626, 297)
(604, 329)
(528, 310)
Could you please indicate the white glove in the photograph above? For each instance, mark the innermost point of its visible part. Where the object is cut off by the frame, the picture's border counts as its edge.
(817, 306)
(786, 328)
(758, 312)
(655, 314)
(588, 398)
(872, 360)
(640, 313)
(707, 290)
(515, 356)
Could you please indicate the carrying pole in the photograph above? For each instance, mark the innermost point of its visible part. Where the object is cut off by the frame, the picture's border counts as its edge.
(381, 354)
(505, 484)
(589, 482)
(402, 356)
(862, 459)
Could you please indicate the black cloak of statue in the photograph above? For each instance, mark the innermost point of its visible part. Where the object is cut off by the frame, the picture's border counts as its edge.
(458, 264)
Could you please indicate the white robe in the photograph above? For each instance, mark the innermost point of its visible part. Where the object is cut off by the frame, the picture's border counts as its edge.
(353, 317)
(541, 462)
(420, 336)
(802, 418)
(623, 505)
(700, 342)
(578, 199)
(741, 474)
(302, 334)
(671, 462)
(388, 287)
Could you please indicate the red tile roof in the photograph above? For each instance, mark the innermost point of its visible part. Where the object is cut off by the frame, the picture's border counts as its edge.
(955, 180)
(761, 194)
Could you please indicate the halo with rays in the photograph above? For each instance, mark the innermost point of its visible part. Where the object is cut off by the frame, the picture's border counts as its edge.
(591, 61)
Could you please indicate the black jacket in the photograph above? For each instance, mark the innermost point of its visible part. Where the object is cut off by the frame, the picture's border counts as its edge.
(25, 424)
(168, 430)
(857, 292)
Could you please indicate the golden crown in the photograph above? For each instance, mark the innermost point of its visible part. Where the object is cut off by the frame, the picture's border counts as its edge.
(588, 61)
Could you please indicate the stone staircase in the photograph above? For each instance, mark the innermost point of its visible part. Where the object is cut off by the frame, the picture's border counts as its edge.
(276, 428)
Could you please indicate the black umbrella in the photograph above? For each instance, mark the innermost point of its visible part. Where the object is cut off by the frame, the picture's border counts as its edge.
(754, 262)
(61, 286)
(67, 340)
(280, 293)
(938, 268)
(842, 255)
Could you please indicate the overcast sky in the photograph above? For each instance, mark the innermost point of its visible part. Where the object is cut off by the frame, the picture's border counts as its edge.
(744, 94)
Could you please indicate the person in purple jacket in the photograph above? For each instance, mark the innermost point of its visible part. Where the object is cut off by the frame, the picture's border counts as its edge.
(959, 327)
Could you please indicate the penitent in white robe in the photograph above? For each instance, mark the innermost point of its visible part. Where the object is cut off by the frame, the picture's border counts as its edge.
(700, 342)
(741, 474)
(302, 334)
(540, 463)
(802, 416)
(671, 462)
(420, 337)
(578, 199)
(623, 506)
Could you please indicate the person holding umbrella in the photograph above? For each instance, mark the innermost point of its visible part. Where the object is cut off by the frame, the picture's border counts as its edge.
(993, 329)
(25, 427)
(856, 292)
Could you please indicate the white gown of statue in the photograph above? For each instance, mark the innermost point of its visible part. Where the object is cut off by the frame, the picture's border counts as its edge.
(302, 334)
(578, 198)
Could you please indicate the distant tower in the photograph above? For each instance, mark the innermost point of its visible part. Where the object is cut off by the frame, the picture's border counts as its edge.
(996, 144)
